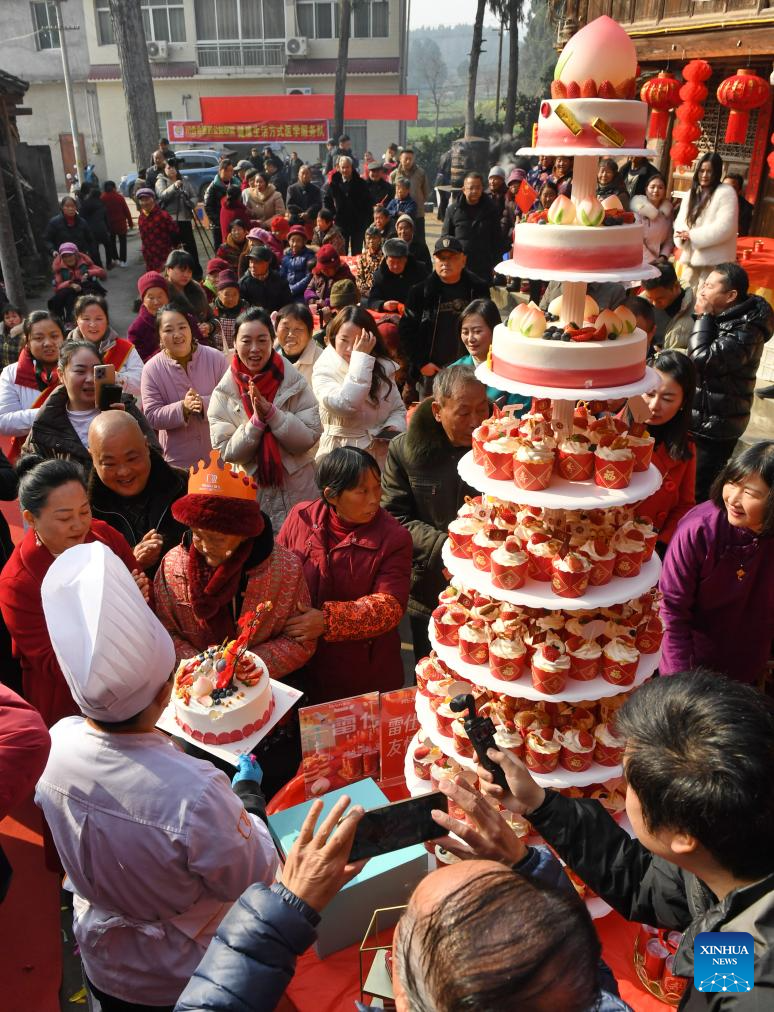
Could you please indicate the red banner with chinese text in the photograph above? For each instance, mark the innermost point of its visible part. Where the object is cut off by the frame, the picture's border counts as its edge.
(397, 726)
(242, 133)
(339, 742)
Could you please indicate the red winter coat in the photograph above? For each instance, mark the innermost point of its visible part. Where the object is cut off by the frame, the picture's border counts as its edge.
(362, 585)
(24, 748)
(43, 684)
(667, 507)
(119, 216)
(159, 235)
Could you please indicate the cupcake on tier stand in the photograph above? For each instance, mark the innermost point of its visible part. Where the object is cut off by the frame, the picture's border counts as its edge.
(574, 354)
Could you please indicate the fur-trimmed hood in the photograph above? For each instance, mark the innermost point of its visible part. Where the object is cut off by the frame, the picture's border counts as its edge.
(642, 205)
(425, 438)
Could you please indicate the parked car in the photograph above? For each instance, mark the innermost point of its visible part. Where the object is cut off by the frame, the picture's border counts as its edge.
(198, 165)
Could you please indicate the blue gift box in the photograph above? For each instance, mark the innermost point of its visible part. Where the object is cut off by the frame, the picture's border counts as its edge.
(385, 881)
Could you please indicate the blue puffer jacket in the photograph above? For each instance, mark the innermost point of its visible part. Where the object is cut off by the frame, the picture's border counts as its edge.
(252, 958)
(297, 271)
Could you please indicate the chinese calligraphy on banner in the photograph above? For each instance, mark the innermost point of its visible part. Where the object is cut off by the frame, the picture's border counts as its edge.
(187, 130)
(397, 726)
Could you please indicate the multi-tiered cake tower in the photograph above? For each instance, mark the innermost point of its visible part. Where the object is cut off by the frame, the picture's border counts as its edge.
(551, 616)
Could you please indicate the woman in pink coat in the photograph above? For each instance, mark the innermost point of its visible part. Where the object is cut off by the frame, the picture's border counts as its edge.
(176, 387)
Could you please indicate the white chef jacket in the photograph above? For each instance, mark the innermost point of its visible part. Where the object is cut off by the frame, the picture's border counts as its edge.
(156, 847)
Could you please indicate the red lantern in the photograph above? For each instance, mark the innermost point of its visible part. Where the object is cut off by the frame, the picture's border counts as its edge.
(689, 112)
(683, 153)
(741, 93)
(661, 94)
(687, 132)
(770, 160)
(697, 70)
(691, 92)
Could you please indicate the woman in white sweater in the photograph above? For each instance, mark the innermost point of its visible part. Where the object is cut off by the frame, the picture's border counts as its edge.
(706, 224)
(655, 213)
(354, 383)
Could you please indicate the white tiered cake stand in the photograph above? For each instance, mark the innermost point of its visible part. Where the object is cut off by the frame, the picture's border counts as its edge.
(560, 495)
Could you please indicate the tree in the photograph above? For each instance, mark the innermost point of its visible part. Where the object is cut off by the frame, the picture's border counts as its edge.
(433, 72)
(475, 53)
(510, 13)
(538, 53)
(345, 16)
(136, 80)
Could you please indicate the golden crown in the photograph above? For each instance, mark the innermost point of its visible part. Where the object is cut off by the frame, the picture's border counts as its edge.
(217, 478)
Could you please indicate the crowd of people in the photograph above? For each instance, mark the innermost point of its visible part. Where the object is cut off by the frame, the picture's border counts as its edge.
(323, 352)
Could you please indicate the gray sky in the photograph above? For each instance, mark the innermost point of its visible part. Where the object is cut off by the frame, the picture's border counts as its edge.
(429, 13)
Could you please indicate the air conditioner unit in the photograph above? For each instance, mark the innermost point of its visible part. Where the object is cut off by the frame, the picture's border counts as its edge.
(158, 50)
(298, 91)
(295, 46)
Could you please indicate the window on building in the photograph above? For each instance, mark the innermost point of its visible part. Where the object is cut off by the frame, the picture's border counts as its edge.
(44, 23)
(239, 20)
(161, 122)
(319, 19)
(163, 20)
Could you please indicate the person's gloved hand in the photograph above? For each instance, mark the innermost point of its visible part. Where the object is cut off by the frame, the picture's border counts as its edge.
(248, 768)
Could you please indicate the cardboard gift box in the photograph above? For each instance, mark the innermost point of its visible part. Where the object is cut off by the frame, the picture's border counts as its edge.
(384, 881)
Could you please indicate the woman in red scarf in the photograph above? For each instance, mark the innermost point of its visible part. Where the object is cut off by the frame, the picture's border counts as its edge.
(26, 384)
(263, 417)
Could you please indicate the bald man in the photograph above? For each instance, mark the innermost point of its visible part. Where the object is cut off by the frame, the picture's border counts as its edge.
(132, 488)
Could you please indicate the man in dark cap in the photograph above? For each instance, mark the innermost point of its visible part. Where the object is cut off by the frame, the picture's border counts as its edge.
(380, 191)
(394, 278)
(262, 284)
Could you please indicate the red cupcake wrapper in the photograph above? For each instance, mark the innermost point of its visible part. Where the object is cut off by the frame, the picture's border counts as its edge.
(549, 682)
(507, 668)
(478, 451)
(461, 545)
(481, 557)
(584, 669)
(575, 466)
(532, 475)
(508, 577)
(421, 770)
(650, 546)
(601, 571)
(613, 473)
(444, 724)
(608, 755)
(447, 634)
(575, 762)
(463, 744)
(498, 466)
(628, 563)
(539, 762)
(541, 567)
(618, 674)
(569, 584)
(643, 453)
(648, 642)
(474, 653)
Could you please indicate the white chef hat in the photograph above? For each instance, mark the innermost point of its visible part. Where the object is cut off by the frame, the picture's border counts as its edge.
(114, 653)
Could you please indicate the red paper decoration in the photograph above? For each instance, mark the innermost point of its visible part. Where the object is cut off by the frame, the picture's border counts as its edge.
(741, 93)
(689, 112)
(661, 94)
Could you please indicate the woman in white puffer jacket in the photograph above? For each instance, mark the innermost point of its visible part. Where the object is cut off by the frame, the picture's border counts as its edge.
(707, 223)
(655, 213)
(354, 383)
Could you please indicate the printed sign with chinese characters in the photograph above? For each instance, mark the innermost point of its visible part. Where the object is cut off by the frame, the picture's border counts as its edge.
(339, 742)
(188, 130)
(397, 726)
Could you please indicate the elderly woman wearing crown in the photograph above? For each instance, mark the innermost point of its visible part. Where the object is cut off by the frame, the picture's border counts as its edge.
(226, 564)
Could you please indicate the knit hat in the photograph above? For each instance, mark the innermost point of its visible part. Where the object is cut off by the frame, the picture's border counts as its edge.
(220, 499)
(327, 255)
(516, 176)
(144, 191)
(227, 279)
(297, 230)
(259, 235)
(343, 293)
(280, 224)
(68, 247)
(152, 279)
(497, 170)
(114, 653)
(217, 264)
(395, 248)
(405, 217)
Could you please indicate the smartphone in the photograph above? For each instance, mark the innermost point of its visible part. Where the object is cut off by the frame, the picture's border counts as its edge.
(398, 825)
(109, 394)
(102, 374)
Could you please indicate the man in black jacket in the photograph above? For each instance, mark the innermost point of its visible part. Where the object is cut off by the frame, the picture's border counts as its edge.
(379, 190)
(475, 220)
(132, 488)
(261, 284)
(304, 194)
(429, 329)
(700, 798)
(394, 278)
(731, 329)
(213, 196)
(347, 197)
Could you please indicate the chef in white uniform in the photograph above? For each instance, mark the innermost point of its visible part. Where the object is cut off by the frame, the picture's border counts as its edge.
(155, 843)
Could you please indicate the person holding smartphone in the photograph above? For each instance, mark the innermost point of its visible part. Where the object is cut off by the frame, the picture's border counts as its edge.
(354, 383)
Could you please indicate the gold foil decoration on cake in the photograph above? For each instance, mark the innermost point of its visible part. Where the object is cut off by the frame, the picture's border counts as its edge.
(569, 120)
(608, 132)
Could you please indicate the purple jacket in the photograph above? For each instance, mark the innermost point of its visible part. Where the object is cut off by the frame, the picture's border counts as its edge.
(164, 385)
(713, 616)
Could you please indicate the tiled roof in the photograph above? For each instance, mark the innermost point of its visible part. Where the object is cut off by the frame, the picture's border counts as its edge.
(359, 65)
(112, 71)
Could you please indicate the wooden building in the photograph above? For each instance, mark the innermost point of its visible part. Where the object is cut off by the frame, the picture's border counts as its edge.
(728, 34)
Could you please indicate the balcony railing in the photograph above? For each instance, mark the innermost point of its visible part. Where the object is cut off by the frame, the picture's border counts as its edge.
(239, 54)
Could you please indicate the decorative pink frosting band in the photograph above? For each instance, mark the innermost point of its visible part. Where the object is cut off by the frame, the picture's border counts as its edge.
(227, 737)
(569, 377)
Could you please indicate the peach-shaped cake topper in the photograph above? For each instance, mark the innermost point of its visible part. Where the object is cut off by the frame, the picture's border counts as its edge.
(601, 51)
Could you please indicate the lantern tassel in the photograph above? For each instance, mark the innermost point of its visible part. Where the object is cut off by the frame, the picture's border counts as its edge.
(657, 127)
(736, 130)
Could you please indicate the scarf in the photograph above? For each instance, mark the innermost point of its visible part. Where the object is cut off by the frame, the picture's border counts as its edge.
(334, 531)
(213, 590)
(268, 472)
(34, 374)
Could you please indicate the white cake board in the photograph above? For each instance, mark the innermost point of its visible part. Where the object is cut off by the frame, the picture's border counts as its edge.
(580, 152)
(522, 688)
(513, 269)
(285, 697)
(595, 774)
(492, 379)
(414, 785)
(562, 494)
